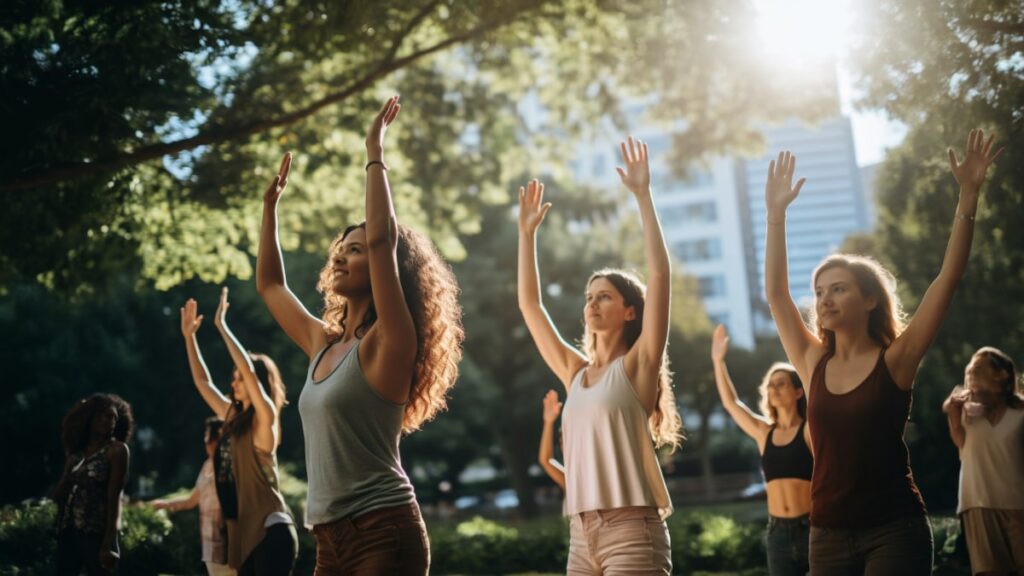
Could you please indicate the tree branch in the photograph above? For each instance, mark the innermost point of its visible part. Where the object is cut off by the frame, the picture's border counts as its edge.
(217, 135)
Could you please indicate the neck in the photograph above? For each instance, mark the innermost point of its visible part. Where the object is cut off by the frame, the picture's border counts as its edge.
(854, 342)
(96, 440)
(358, 308)
(787, 418)
(608, 347)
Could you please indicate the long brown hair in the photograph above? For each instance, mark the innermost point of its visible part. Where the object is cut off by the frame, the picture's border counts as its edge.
(269, 377)
(770, 412)
(664, 423)
(431, 294)
(886, 321)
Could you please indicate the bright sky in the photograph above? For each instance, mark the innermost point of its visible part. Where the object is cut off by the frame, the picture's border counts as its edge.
(797, 30)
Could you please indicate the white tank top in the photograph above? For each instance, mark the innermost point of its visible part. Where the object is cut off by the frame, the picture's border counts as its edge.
(609, 454)
(992, 463)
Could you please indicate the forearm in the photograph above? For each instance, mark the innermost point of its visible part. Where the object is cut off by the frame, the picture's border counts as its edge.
(547, 443)
(269, 262)
(776, 269)
(957, 433)
(528, 278)
(200, 373)
(655, 250)
(958, 250)
(723, 382)
(380, 211)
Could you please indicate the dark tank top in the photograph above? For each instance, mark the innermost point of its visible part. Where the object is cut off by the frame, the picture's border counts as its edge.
(790, 461)
(862, 476)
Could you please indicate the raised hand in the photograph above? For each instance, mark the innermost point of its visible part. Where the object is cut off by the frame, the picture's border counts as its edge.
(970, 173)
(220, 318)
(637, 175)
(276, 188)
(532, 207)
(190, 321)
(719, 343)
(384, 118)
(779, 190)
(552, 407)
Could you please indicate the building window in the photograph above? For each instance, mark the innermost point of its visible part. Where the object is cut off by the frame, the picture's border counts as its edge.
(694, 213)
(701, 250)
(711, 286)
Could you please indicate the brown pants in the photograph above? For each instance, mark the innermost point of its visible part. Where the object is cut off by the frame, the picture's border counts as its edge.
(383, 542)
(995, 539)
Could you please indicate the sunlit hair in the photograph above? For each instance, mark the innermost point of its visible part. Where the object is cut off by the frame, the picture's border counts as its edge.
(1001, 361)
(269, 377)
(886, 320)
(770, 412)
(432, 296)
(664, 423)
(77, 425)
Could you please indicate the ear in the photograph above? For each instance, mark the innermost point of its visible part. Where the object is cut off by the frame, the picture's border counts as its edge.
(872, 303)
(801, 393)
(630, 313)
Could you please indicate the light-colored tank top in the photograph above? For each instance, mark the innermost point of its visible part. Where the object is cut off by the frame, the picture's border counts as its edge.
(351, 435)
(609, 454)
(992, 463)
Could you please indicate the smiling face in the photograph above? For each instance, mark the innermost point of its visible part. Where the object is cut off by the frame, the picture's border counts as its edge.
(605, 307)
(839, 301)
(349, 264)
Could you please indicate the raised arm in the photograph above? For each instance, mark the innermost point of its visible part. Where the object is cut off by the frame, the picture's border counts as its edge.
(905, 354)
(265, 426)
(394, 334)
(752, 424)
(802, 347)
(546, 452)
(561, 357)
(302, 327)
(643, 362)
(953, 407)
(118, 459)
(190, 322)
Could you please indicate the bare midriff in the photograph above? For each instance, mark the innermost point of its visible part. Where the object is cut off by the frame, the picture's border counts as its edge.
(789, 497)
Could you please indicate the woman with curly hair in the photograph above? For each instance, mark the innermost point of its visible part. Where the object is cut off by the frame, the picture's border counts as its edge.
(784, 441)
(382, 359)
(95, 435)
(261, 532)
(620, 403)
(867, 515)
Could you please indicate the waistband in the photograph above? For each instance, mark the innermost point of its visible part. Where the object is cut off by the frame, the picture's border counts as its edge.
(410, 511)
(804, 520)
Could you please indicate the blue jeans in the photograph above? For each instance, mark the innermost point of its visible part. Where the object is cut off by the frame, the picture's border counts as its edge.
(786, 540)
(901, 547)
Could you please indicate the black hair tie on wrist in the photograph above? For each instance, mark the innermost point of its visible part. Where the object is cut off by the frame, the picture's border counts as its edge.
(372, 162)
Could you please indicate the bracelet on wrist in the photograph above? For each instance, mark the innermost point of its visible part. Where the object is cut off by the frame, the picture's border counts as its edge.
(383, 166)
(965, 217)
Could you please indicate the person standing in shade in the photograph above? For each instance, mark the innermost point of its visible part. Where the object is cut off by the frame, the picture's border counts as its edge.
(382, 360)
(867, 515)
(261, 532)
(986, 423)
(620, 403)
(204, 495)
(95, 436)
(783, 440)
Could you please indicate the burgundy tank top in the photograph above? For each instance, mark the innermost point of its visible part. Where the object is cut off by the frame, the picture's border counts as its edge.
(862, 475)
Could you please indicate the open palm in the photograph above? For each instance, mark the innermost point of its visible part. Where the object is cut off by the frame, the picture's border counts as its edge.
(532, 207)
(779, 191)
(970, 173)
(637, 174)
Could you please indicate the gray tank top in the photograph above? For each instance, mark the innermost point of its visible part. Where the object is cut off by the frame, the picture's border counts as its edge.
(351, 436)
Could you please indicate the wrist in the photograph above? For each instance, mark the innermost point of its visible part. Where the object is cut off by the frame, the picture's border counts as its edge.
(374, 152)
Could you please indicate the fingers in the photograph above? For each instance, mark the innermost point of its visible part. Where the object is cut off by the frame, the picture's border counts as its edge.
(970, 140)
(625, 153)
(953, 164)
(771, 170)
(799, 185)
(643, 151)
(543, 212)
(622, 173)
(997, 154)
(988, 145)
(632, 149)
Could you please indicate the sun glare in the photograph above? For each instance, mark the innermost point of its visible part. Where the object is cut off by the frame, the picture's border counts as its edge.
(797, 32)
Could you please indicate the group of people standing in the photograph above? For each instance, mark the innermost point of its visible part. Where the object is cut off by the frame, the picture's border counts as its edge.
(384, 354)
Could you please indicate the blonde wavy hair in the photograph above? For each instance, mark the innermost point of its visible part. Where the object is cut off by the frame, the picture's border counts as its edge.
(664, 423)
(887, 320)
(431, 294)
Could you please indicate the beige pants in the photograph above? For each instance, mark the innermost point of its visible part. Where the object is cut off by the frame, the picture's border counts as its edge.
(619, 541)
(995, 539)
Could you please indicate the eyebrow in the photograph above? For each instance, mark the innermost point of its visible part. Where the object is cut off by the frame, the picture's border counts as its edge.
(601, 291)
(838, 283)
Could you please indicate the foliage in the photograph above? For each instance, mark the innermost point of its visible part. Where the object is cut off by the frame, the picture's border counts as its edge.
(220, 89)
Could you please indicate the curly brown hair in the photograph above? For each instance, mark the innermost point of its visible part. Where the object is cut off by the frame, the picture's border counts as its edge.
(665, 424)
(77, 424)
(886, 320)
(432, 296)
